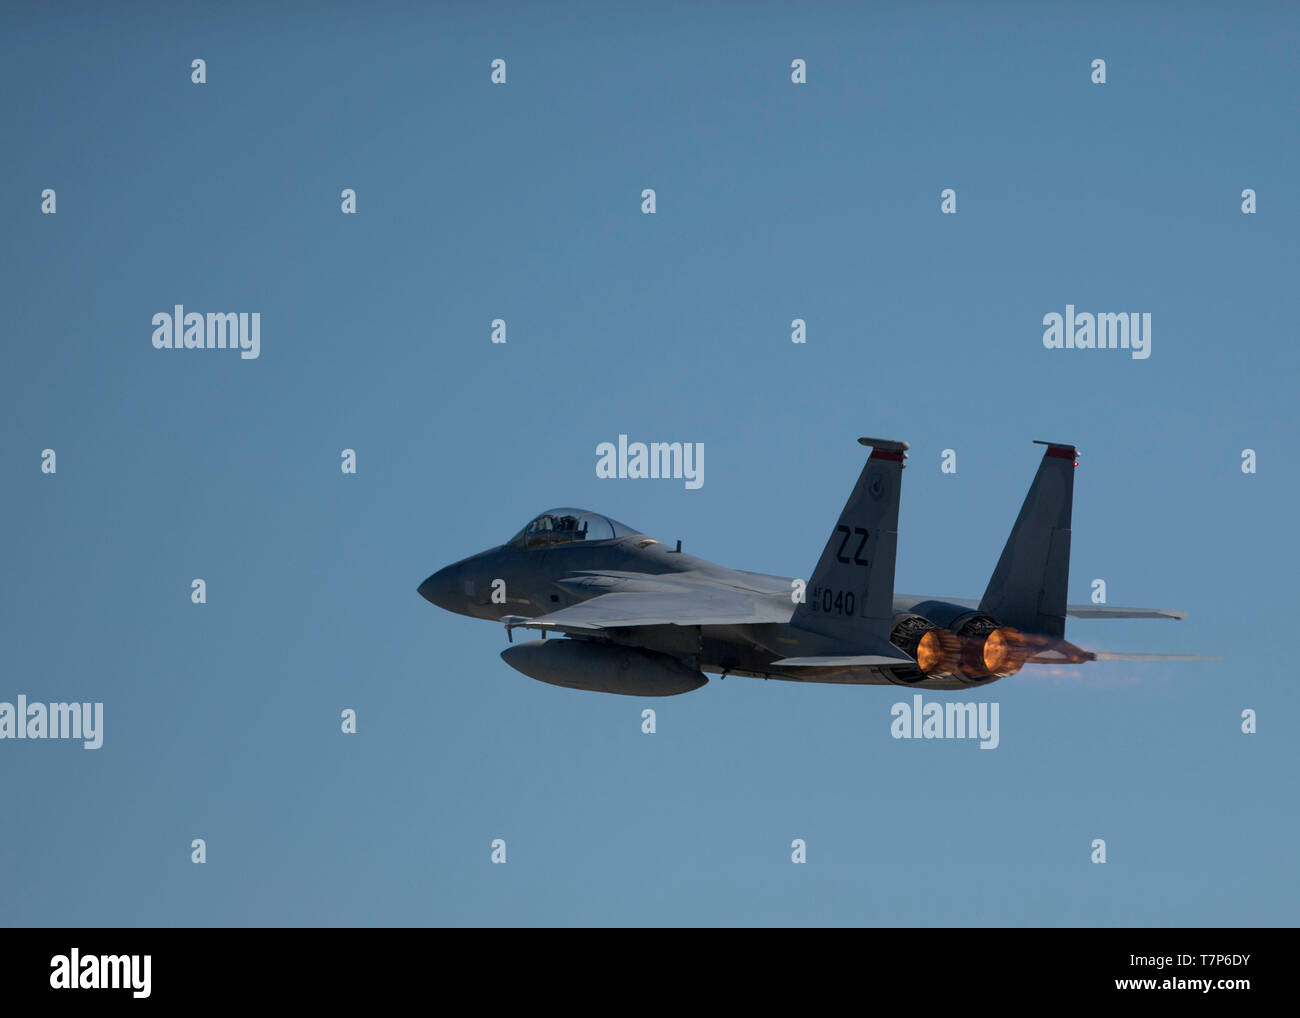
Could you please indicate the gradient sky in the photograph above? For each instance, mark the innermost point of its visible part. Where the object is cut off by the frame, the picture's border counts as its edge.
(522, 201)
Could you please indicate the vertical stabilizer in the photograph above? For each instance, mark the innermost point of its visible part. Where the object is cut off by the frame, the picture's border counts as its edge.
(851, 593)
(1028, 587)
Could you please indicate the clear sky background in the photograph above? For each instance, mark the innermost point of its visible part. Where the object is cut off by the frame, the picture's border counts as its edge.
(775, 201)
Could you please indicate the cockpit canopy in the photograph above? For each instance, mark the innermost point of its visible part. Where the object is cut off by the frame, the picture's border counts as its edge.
(564, 526)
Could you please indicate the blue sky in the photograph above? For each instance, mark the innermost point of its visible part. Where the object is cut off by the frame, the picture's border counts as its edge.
(775, 201)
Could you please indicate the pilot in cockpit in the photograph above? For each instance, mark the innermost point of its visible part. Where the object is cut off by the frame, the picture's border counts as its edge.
(566, 526)
(550, 529)
(566, 529)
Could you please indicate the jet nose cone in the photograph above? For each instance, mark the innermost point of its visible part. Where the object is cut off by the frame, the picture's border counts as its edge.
(440, 589)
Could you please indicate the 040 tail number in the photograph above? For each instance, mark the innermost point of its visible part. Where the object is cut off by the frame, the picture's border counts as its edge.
(832, 602)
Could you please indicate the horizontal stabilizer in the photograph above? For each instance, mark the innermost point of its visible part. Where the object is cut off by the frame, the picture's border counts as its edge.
(1102, 655)
(1074, 611)
(1105, 611)
(1046, 651)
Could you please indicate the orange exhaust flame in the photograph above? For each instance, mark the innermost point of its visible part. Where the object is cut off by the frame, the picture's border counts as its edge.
(928, 652)
(1004, 652)
(938, 652)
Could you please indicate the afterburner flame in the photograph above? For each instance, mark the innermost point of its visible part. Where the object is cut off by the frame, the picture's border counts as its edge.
(938, 652)
(929, 652)
(1004, 651)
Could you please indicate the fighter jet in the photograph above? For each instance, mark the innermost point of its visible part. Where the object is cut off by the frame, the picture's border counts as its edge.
(639, 618)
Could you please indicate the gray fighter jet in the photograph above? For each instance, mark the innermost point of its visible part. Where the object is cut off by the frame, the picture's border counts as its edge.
(643, 619)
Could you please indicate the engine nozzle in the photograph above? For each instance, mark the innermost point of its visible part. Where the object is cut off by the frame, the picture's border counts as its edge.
(958, 643)
(936, 650)
(1004, 652)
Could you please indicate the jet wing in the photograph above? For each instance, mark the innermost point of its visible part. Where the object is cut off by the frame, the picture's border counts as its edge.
(689, 606)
